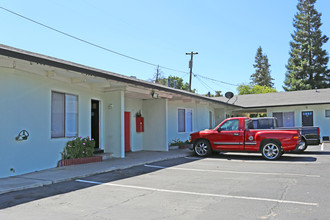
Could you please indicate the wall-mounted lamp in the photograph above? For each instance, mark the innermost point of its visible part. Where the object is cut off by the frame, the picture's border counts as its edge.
(22, 135)
(154, 95)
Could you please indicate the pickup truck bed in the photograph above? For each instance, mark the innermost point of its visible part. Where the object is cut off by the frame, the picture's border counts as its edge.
(310, 135)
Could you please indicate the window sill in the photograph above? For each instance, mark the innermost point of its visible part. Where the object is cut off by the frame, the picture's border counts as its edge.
(56, 138)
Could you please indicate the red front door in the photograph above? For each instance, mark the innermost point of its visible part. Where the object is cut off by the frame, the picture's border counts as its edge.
(127, 121)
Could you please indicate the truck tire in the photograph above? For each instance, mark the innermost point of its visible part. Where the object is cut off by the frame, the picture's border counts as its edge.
(202, 148)
(271, 151)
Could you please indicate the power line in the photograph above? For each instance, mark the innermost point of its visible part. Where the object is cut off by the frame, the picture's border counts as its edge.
(215, 80)
(109, 50)
(217, 84)
(204, 84)
(90, 43)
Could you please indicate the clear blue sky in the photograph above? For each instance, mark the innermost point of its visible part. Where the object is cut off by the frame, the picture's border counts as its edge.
(226, 34)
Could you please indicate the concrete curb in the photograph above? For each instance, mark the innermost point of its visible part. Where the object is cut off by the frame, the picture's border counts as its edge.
(62, 174)
(22, 185)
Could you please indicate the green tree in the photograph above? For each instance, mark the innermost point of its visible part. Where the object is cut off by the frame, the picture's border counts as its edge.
(253, 89)
(217, 94)
(262, 76)
(307, 65)
(179, 83)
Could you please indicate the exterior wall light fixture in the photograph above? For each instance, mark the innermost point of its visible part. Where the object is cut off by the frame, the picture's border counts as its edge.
(154, 95)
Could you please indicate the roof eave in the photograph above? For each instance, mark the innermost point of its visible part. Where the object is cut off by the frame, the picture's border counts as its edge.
(286, 105)
(50, 61)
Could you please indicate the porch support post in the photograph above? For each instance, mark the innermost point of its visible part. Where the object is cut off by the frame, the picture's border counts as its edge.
(114, 138)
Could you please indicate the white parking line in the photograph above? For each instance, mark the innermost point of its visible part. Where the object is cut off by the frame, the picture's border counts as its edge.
(250, 161)
(234, 172)
(200, 194)
(194, 158)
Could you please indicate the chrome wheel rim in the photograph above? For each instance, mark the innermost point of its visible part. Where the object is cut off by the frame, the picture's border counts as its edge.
(201, 149)
(271, 151)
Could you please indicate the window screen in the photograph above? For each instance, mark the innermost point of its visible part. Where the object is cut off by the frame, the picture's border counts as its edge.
(181, 120)
(64, 115)
(185, 120)
(57, 115)
(284, 119)
(327, 113)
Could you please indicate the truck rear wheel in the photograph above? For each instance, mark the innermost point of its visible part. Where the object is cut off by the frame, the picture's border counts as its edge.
(202, 148)
(271, 151)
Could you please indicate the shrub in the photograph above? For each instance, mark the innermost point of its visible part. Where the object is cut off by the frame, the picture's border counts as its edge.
(78, 148)
(178, 142)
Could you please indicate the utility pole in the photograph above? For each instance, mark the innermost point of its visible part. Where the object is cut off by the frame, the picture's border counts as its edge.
(190, 66)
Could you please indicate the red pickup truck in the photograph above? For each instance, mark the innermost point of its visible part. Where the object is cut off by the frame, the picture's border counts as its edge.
(237, 134)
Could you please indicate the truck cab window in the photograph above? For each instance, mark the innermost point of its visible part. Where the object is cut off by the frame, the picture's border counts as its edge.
(231, 125)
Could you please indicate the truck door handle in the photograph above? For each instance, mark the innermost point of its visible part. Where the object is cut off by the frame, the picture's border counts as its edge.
(236, 134)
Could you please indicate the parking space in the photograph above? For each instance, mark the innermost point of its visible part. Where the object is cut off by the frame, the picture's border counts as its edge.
(232, 185)
(223, 186)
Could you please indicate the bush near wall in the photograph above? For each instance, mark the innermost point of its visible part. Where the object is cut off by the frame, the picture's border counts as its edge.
(79, 148)
(178, 142)
(79, 151)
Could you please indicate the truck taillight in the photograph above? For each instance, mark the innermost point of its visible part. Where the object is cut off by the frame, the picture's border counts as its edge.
(318, 131)
(297, 137)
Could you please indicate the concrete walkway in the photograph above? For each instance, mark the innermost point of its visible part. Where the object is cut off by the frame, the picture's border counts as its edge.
(60, 174)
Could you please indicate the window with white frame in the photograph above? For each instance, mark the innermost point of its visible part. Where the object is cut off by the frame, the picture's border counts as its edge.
(327, 113)
(284, 119)
(64, 115)
(184, 120)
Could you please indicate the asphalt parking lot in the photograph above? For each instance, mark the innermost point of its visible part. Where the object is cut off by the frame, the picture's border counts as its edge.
(223, 186)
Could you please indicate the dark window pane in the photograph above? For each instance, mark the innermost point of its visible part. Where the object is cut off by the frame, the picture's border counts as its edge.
(57, 115)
